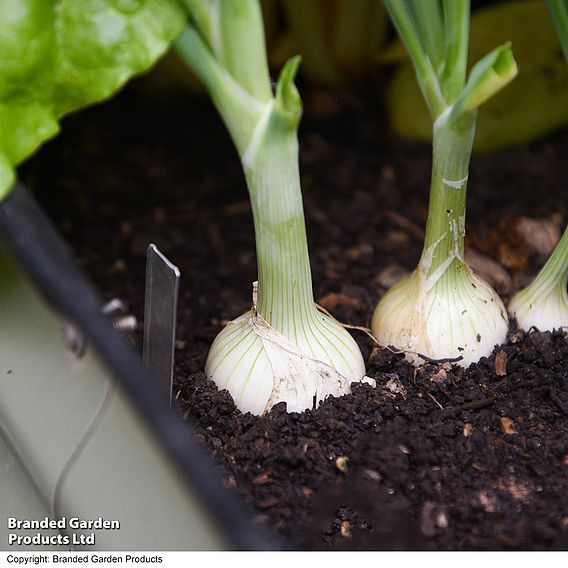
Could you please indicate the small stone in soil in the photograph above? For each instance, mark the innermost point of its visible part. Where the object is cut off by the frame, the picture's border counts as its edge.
(467, 429)
(507, 426)
(394, 385)
(501, 364)
(487, 501)
(442, 520)
(342, 464)
(369, 381)
(439, 376)
(261, 479)
(346, 529)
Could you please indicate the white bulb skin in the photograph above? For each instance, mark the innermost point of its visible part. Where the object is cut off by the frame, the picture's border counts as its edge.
(460, 315)
(260, 368)
(545, 308)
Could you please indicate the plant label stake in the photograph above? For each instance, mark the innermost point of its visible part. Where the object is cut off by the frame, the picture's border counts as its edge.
(160, 309)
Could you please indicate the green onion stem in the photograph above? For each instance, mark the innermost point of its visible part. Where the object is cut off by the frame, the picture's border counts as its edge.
(265, 134)
(410, 35)
(544, 303)
(553, 273)
(429, 21)
(436, 38)
(442, 309)
(445, 227)
(456, 18)
(556, 267)
(240, 110)
(285, 296)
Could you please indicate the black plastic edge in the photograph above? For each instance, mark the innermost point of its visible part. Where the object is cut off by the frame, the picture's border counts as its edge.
(41, 253)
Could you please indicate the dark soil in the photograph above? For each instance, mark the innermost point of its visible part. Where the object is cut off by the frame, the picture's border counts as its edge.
(436, 457)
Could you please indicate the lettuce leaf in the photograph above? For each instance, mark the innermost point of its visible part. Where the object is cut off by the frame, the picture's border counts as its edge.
(57, 56)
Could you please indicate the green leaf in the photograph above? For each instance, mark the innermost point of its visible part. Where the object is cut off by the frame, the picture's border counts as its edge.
(239, 109)
(408, 29)
(287, 97)
(488, 76)
(57, 56)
